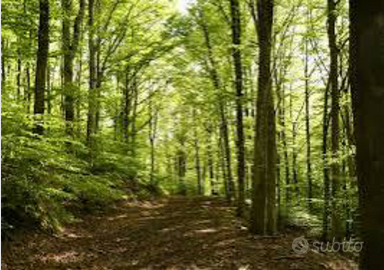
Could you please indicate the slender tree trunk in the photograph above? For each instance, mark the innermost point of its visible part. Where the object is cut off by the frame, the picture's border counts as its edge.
(18, 76)
(49, 94)
(126, 106)
(210, 163)
(221, 103)
(78, 99)
(41, 65)
(70, 46)
(367, 68)
(295, 174)
(238, 68)
(197, 156)
(337, 227)
(308, 127)
(92, 73)
(153, 114)
(283, 137)
(99, 81)
(182, 167)
(27, 95)
(263, 217)
(134, 114)
(326, 179)
(3, 75)
(227, 184)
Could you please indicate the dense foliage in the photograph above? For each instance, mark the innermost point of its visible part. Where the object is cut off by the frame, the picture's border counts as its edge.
(110, 99)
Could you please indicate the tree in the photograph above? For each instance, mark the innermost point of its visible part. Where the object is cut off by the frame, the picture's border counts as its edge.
(336, 220)
(238, 69)
(92, 77)
(41, 64)
(307, 123)
(224, 131)
(367, 84)
(70, 47)
(263, 218)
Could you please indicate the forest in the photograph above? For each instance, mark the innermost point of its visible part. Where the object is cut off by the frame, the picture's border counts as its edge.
(192, 134)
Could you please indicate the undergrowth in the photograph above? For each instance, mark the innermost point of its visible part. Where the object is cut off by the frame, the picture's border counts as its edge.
(47, 180)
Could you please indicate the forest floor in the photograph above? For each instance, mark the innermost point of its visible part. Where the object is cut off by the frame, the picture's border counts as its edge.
(173, 233)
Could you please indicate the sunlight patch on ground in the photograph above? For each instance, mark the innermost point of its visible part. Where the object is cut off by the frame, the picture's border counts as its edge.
(210, 230)
(74, 235)
(206, 221)
(118, 217)
(190, 267)
(64, 257)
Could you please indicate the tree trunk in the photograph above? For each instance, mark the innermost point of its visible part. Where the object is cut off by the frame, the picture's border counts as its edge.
(197, 156)
(152, 137)
(221, 104)
(210, 163)
(263, 219)
(337, 228)
(70, 46)
(182, 167)
(41, 65)
(3, 75)
(92, 73)
(78, 100)
(295, 174)
(238, 68)
(49, 94)
(326, 179)
(18, 76)
(27, 95)
(134, 114)
(126, 106)
(367, 68)
(308, 127)
(227, 184)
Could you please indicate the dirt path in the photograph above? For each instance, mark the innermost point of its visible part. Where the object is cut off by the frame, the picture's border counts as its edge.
(176, 233)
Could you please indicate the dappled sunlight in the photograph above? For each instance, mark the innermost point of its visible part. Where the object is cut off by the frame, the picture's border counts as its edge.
(173, 228)
(71, 234)
(211, 230)
(63, 257)
(226, 242)
(245, 267)
(201, 222)
(181, 234)
(117, 217)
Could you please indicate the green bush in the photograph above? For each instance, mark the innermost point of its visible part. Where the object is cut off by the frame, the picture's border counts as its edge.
(50, 180)
(43, 181)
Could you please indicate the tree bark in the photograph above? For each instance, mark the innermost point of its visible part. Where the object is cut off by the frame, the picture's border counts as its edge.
(308, 127)
(92, 73)
(126, 106)
(41, 65)
(238, 68)
(221, 103)
(197, 156)
(336, 222)
(367, 81)
(70, 46)
(3, 74)
(18, 76)
(152, 139)
(326, 179)
(295, 173)
(263, 217)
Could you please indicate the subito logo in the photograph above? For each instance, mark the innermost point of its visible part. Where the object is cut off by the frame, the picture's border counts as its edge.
(300, 245)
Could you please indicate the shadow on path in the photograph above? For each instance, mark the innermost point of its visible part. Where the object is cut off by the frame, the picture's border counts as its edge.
(174, 233)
